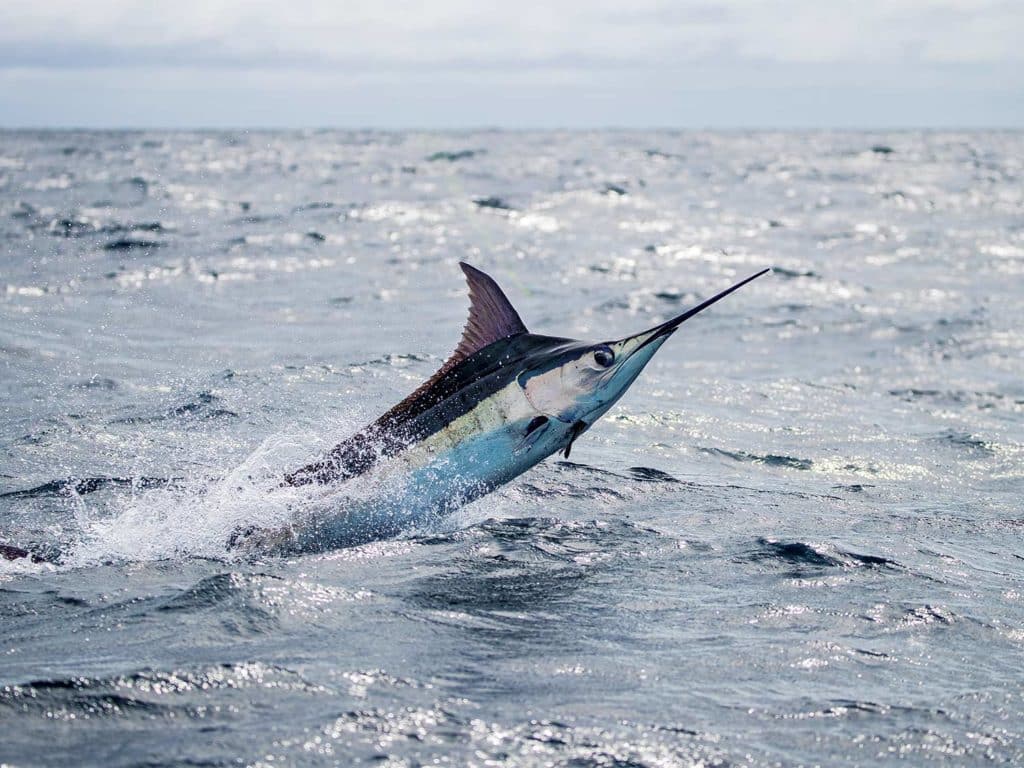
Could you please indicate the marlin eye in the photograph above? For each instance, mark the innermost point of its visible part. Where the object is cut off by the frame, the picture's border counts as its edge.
(604, 356)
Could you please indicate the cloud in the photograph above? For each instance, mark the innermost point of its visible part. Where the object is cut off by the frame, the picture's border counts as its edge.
(231, 33)
(577, 62)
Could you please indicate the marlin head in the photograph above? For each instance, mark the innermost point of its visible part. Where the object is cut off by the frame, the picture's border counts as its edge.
(578, 382)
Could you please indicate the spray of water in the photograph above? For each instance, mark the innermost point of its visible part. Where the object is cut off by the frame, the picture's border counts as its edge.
(201, 517)
(243, 512)
(196, 516)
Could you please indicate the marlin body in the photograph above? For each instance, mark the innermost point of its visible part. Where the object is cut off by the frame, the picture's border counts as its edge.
(504, 401)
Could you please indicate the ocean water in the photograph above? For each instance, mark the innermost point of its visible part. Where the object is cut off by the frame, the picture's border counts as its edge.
(796, 541)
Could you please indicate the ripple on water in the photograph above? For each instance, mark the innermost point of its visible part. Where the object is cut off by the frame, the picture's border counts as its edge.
(255, 604)
(771, 460)
(205, 405)
(151, 694)
(799, 553)
(511, 578)
(422, 733)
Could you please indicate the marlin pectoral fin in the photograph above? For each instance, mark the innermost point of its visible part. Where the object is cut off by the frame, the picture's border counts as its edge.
(577, 429)
(537, 426)
(536, 423)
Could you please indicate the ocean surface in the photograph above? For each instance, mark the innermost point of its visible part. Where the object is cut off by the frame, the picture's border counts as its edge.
(796, 541)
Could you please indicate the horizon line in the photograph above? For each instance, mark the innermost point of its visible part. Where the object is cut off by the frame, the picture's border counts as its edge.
(483, 128)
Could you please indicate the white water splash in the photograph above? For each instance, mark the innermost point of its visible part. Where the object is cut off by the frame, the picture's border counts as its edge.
(197, 517)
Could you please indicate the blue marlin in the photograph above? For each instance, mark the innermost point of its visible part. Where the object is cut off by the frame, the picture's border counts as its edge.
(504, 401)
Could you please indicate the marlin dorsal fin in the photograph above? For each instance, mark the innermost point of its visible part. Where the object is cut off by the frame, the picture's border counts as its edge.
(491, 315)
(491, 318)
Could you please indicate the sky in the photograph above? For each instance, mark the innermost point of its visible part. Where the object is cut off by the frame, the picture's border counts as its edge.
(450, 64)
